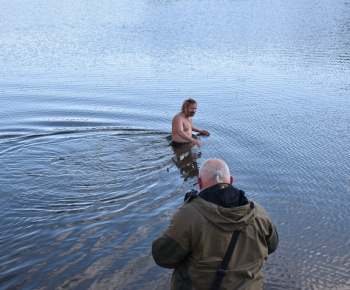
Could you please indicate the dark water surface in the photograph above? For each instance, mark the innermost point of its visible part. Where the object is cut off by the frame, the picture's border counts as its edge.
(88, 90)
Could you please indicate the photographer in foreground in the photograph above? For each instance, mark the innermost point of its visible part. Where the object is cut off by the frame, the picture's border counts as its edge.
(218, 238)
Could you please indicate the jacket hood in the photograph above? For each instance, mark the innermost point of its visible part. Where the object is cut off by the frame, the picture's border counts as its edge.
(225, 206)
(224, 194)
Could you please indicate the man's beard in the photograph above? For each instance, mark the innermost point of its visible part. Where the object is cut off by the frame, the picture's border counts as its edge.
(192, 114)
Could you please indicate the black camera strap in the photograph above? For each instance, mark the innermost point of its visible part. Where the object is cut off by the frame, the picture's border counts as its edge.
(222, 270)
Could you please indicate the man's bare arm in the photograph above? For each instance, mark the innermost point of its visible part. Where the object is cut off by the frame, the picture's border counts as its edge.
(206, 132)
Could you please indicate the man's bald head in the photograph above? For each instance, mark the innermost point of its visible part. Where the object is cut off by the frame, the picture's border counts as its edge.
(213, 171)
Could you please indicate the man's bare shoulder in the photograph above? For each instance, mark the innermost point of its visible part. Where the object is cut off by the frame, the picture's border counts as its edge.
(179, 117)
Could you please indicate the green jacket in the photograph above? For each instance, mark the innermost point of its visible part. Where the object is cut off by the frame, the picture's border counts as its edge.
(197, 239)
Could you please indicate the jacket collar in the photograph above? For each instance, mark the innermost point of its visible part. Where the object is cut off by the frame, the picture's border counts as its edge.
(225, 195)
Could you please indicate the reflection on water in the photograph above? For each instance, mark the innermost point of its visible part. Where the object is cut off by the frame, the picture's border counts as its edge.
(185, 158)
(186, 161)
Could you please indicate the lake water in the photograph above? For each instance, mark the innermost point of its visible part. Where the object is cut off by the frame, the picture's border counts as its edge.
(88, 90)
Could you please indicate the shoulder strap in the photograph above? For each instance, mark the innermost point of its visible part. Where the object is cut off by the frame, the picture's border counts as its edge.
(222, 271)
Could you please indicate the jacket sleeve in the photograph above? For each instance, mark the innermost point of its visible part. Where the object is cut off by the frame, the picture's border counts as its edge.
(272, 242)
(268, 227)
(167, 252)
(174, 244)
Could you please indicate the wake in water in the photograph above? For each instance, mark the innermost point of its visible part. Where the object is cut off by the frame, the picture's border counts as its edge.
(86, 197)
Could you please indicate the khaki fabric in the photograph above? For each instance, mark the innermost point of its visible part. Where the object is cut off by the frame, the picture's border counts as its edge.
(197, 239)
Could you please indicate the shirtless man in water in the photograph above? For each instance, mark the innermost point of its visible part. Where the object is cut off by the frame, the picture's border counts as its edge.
(182, 125)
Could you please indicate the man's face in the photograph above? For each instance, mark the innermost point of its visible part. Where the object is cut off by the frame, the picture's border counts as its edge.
(191, 110)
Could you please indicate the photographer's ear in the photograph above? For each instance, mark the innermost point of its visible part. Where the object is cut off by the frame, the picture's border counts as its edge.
(200, 185)
(231, 180)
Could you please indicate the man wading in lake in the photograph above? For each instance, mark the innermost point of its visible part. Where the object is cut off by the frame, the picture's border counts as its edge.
(218, 239)
(182, 125)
